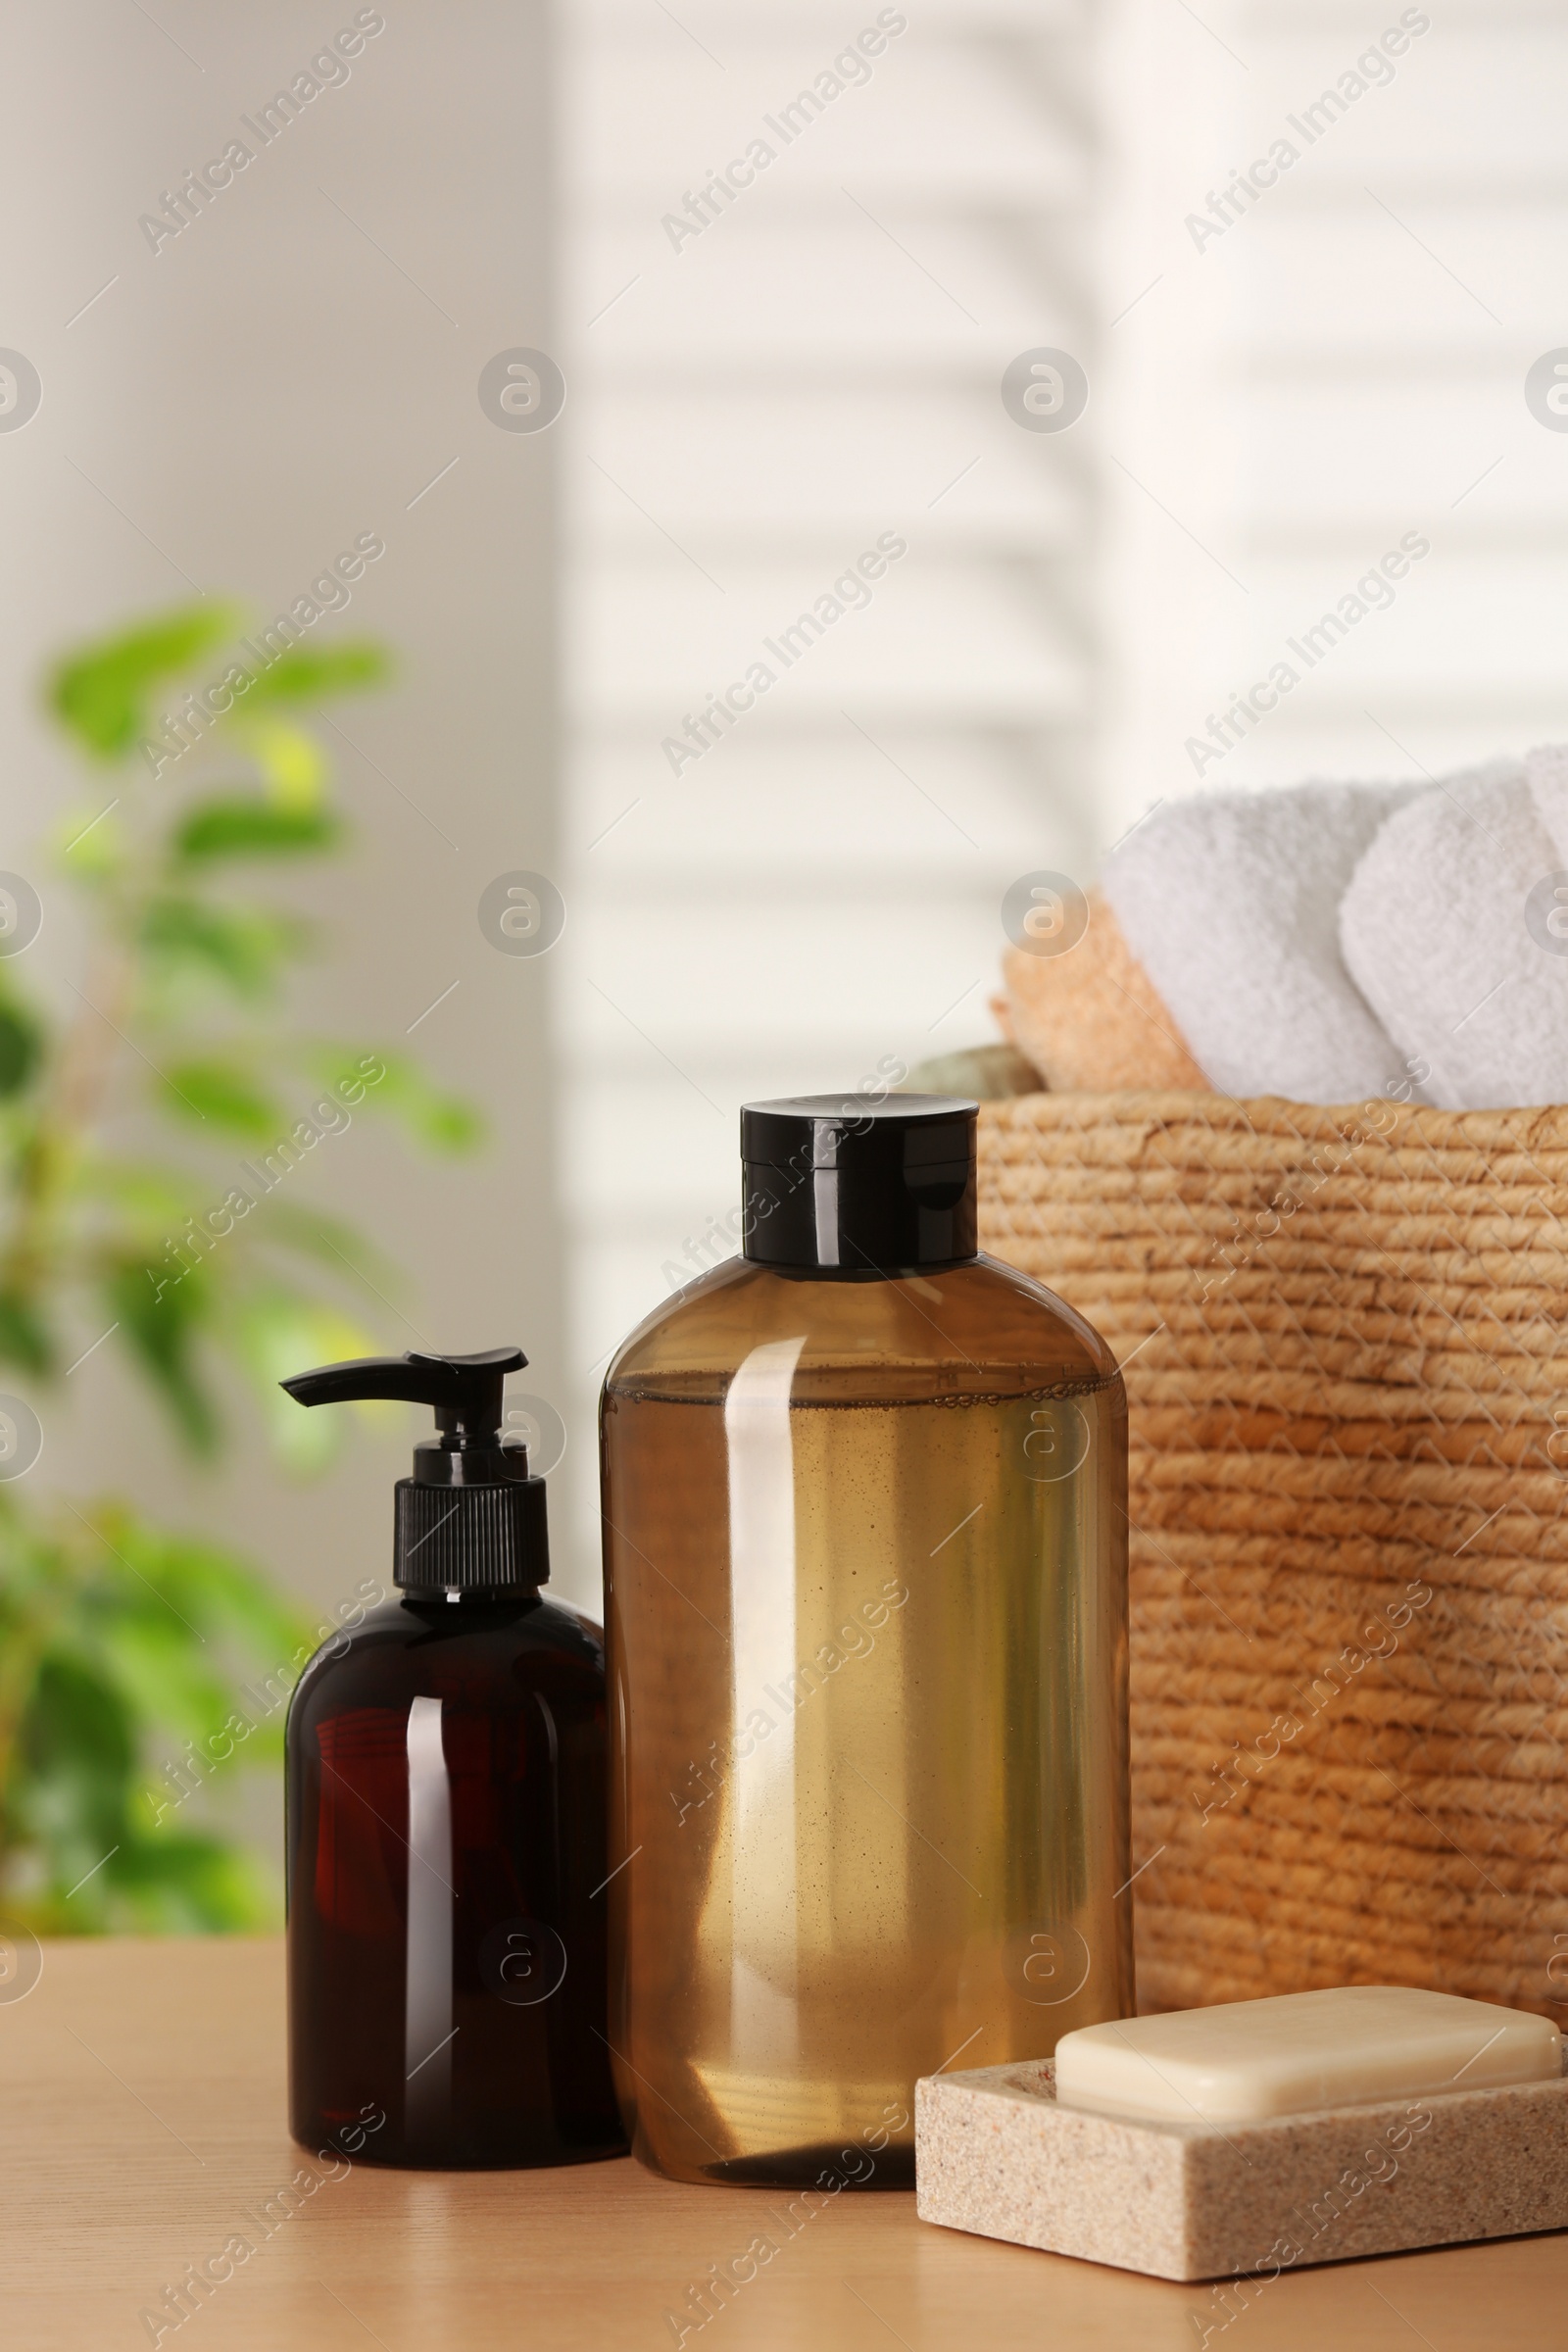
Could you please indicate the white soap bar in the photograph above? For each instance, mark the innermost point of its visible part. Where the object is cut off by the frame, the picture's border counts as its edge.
(1247, 2060)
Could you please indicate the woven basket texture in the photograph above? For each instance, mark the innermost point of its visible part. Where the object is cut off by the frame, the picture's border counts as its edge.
(1343, 1342)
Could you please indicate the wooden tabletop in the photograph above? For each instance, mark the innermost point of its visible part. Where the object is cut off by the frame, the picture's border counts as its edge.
(142, 2122)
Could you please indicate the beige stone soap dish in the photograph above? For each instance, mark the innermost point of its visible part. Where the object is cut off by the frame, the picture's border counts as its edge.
(1247, 2169)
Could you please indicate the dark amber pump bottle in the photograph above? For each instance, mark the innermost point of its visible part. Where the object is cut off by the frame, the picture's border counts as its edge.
(446, 1821)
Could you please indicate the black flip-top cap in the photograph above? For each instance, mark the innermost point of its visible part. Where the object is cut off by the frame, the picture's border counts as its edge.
(847, 1186)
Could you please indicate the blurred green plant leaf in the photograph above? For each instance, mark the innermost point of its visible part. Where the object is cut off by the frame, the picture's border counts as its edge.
(292, 763)
(23, 1338)
(136, 1203)
(79, 1743)
(208, 1589)
(243, 947)
(310, 674)
(223, 1096)
(147, 1657)
(20, 1047)
(184, 1881)
(441, 1121)
(251, 827)
(159, 1311)
(143, 1670)
(92, 847)
(101, 693)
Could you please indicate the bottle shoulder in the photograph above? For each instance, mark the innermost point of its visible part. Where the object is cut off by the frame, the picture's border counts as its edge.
(977, 1328)
(685, 1316)
(407, 1648)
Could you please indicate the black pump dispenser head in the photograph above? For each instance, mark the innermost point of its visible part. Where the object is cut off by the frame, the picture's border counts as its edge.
(470, 1519)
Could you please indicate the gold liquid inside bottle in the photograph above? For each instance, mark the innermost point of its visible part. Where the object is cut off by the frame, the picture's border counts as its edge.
(865, 1565)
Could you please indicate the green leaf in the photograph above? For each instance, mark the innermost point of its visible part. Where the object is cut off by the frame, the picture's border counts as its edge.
(223, 1096)
(93, 846)
(145, 1204)
(442, 1121)
(293, 763)
(21, 1045)
(248, 827)
(188, 1883)
(159, 1311)
(304, 676)
(23, 1338)
(243, 947)
(101, 693)
(214, 1590)
(132, 1645)
(157, 1673)
(80, 1740)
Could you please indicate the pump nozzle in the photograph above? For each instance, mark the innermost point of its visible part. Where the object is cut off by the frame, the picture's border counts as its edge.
(470, 1518)
(464, 1390)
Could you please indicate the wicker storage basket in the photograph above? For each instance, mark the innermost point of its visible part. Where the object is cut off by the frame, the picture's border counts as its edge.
(1343, 1336)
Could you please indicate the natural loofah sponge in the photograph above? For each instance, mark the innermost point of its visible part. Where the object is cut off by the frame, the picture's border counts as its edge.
(1091, 1019)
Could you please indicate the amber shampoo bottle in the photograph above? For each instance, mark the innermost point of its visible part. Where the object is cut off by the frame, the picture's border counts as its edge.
(446, 1821)
(864, 1514)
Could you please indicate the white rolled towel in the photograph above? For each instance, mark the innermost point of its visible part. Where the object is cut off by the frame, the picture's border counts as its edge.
(1454, 930)
(1231, 902)
(1546, 774)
